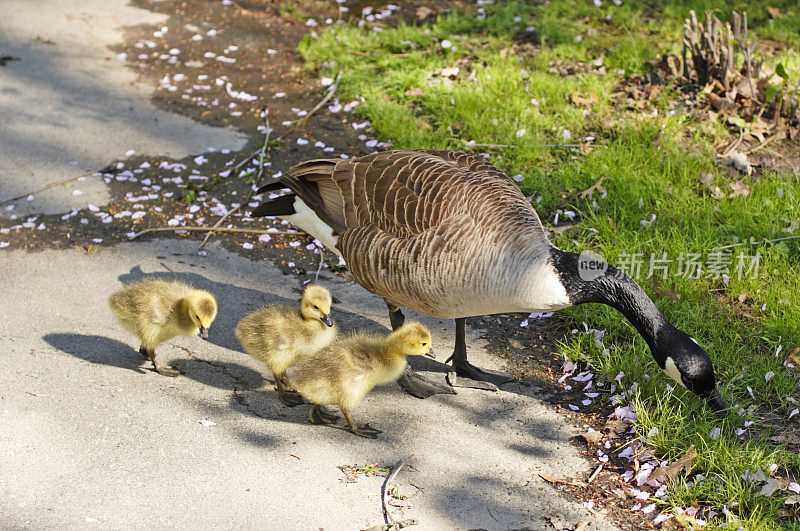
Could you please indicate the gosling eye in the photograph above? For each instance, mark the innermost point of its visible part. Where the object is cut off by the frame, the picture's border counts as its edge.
(316, 307)
(424, 344)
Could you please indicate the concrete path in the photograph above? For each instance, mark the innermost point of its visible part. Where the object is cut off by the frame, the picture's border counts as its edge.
(69, 107)
(91, 437)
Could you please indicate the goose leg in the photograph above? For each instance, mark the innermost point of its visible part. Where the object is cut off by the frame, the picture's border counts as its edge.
(288, 396)
(412, 381)
(365, 430)
(166, 371)
(468, 375)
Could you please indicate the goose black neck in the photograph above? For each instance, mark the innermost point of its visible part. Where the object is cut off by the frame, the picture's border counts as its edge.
(614, 288)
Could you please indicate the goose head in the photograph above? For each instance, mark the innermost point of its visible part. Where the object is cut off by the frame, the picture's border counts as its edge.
(201, 307)
(676, 353)
(686, 362)
(413, 339)
(316, 304)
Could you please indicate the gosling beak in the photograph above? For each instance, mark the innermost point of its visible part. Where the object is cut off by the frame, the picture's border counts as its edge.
(717, 403)
(430, 354)
(204, 333)
(326, 318)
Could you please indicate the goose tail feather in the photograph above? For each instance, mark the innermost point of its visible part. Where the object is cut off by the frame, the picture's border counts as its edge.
(280, 206)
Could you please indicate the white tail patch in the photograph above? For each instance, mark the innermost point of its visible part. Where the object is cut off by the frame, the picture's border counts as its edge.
(306, 220)
(672, 371)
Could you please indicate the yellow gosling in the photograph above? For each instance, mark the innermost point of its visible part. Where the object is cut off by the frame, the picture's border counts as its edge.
(279, 335)
(157, 310)
(345, 371)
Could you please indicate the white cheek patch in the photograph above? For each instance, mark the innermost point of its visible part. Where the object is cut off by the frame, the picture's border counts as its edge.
(306, 220)
(672, 371)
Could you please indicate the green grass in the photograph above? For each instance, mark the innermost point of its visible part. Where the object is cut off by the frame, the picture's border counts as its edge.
(652, 161)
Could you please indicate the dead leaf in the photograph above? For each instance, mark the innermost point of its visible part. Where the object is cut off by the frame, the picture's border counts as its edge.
(424, 125)
(414, 92)
(774, 12)
(672, 470)
(615, 426)
(450, 71)
(739, 188)
(559, 481)
(793, 226)
(794, 357)
(423, 12)
(592, 436)
(792, 500)
(738, 160)
(786, 438)
(769, 488)
(619, 493)
(581, 100)
(670, 293)
(598, 186)
(708, 180)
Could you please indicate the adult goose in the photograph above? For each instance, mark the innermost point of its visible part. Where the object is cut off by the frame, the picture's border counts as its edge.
(449, 235)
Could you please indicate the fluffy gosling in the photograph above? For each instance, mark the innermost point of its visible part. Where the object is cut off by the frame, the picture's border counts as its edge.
(279, 335)
(346, 370)
(157, 310)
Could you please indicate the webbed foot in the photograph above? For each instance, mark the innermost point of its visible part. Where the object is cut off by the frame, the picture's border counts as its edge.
(417, 385)
(290, 398)
(167, 371)
(468, 375)
(317, 415)
(366, 431)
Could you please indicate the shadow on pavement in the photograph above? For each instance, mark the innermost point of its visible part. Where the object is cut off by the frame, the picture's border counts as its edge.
(98, 349)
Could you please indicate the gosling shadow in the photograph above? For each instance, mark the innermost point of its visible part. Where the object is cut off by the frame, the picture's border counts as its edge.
(98, 349)
(220, 374)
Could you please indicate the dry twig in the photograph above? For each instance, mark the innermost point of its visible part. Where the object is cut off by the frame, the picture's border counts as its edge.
(40, 190)
(257, 180)
(214, 229)
(386, 516)
(314, 109)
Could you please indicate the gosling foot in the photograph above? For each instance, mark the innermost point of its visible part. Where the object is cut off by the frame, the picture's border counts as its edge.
(468, 375)
(417, 385)
(365, 430)
(167, 371)
(290, 398)
(317, 415)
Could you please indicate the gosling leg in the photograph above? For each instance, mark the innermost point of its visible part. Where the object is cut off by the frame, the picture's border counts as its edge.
(412, 381)
(468, 375)
(289, 397)
(165, 371)
(317, 415)
(365, 430)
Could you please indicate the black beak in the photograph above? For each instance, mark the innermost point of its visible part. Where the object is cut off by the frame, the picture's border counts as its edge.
(718, 404)
(430, 354)
(204, 333)
(326, 318)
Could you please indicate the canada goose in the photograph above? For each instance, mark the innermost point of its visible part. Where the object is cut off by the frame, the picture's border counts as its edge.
(281, 335)
(157, 310)
(346, 370)
(450, 236)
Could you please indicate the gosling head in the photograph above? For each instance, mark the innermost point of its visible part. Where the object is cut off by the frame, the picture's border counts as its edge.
(316, 304)
(687, 363)
(202, 309)
(414, 339)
